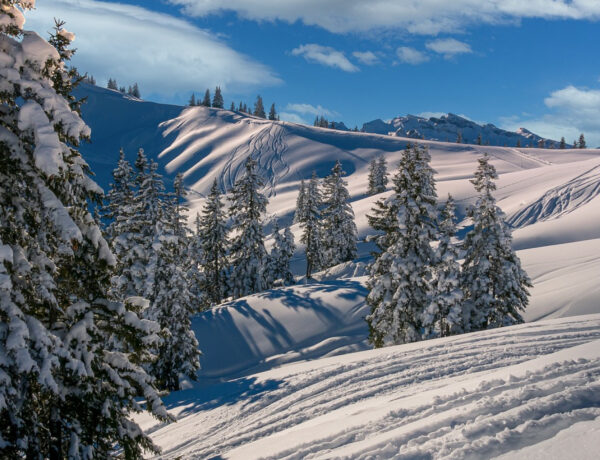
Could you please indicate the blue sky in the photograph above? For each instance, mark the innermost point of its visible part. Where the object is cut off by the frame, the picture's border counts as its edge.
(513, 63)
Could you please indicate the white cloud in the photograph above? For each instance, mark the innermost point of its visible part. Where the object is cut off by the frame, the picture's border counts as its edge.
(573, 111)
(449, 47)
(365, 57)
(411, 56)
(292, 117)
(164, 54)
(309, 109)
(423, 17)
(325, 55)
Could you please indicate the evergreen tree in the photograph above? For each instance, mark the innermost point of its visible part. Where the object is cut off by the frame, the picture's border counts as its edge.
(492, 279)
(259, 108)
(310, 220)
(563, 144)
(218, 101)
(299, 215)
(135, 91)
(281, 255)
(444, 315)
(582, 144)
(377, 176)
(67, 386)
(400, 277)
(272, 112)
(232, 107)
(479, 141)
(192, 101)
(459, 138)
(249, 258)
(122, 89)
(112, 84)
(212, 235)
(170, 300)
(206, 101)
(339, 230)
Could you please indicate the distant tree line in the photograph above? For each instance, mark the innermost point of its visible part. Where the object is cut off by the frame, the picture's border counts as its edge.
(540, 144)
(130, 90)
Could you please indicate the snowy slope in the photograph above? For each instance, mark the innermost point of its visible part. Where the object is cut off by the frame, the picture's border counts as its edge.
(478, 395)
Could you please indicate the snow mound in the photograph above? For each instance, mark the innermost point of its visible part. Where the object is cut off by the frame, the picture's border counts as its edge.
(486, 394)
(282, 325)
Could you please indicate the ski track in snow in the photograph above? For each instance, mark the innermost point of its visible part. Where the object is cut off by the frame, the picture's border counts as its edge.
(499, 415)
(560, 200)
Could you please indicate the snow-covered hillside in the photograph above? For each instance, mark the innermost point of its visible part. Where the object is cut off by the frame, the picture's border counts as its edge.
(517, 391)
(448, 127)
(483, 394)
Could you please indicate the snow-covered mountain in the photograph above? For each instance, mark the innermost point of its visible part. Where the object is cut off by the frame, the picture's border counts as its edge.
(279, 378)
(448, 127)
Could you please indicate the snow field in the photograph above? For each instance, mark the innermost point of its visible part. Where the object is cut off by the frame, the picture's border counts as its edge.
(470, 396)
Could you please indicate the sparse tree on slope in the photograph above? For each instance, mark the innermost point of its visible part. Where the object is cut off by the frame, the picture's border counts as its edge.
(272, 113)
(67, 388)
(112, 84)
(444, 315)
(259, 108)
(582, 144)
(206, 101)
(310, 220)
(339, 229)
(400, 278)
(281, 255)
(249, 257)
(492, 279)
(218, 98)
(192, 101)
(232, 107)
(212, 235)
(135, 91)
(563, 143)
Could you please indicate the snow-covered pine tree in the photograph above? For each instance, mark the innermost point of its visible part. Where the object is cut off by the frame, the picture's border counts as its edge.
(212, 235)
(494, 284)
(377, 176)
(300, 206)
(384, 215)
(206, 101)
(66, 389)
(339, 230)
(149, 214)
(259, 108)
(400, 278)
(281, 255)
(444, 315)
(249, 258)
(218, 101)
(371, 178)
(119, 198)
(310, 221)
(171, 303)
